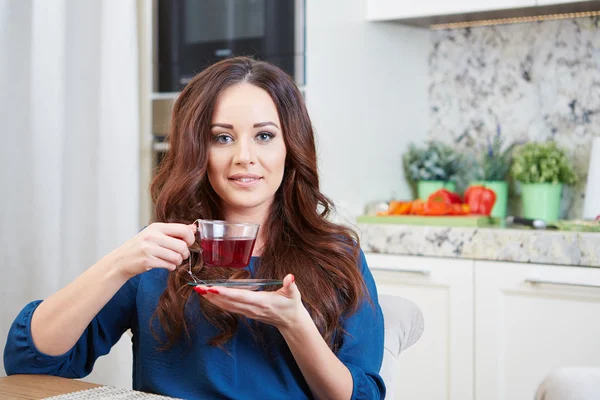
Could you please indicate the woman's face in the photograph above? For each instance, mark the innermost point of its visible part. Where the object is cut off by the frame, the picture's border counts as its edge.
(247, 153)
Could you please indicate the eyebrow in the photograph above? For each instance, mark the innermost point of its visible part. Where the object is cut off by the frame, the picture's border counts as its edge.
(261, 124)
(257, 125)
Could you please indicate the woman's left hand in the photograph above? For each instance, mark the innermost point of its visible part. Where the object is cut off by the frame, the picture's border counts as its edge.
(282, 309)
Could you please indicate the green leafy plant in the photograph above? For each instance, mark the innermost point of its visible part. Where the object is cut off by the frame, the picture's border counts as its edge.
(494, 162)
(436, 161)
(542, 163)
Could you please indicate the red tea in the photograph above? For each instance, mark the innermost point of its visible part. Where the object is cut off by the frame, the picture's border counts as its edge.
(227, 252)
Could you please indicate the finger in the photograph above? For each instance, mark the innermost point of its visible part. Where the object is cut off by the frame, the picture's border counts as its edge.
(235, 297)
(289, 289)
(181, 231)
(173, 244)
(167, 255)
(156, 262)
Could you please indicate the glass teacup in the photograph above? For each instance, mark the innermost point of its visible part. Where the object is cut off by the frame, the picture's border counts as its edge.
(226, 244)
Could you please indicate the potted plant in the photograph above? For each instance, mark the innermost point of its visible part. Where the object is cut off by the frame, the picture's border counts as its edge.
(542, 169)
(433, 167)
(493, 166)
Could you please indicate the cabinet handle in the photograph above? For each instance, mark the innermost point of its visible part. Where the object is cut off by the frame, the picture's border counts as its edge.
(406, 271)
(534, 281)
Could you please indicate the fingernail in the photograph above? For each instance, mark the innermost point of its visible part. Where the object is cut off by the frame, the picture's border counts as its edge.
(293, 279)
(215, 291)
(200, 290)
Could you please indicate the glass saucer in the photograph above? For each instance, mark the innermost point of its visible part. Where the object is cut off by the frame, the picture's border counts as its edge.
(247, 284)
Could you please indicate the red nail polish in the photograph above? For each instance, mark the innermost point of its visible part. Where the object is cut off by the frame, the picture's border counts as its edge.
(293, 279)
(200, 290)
(215, 291)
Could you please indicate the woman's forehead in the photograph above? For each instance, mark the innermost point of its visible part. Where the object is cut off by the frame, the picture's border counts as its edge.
(245, 104)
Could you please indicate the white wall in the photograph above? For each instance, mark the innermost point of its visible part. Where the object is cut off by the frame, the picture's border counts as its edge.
(68, 164)
(366, 90)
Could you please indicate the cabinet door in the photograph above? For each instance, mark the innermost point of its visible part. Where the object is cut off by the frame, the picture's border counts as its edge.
(380, 10)
(440, 365)
(529, 320)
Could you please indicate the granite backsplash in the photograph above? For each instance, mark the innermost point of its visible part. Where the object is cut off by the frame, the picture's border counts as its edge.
(536, 80)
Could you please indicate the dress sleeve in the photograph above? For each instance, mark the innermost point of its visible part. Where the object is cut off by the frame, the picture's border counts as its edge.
(22, 357)
(362, 349)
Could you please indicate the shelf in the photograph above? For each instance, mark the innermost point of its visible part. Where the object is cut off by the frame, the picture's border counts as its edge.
(164, 95)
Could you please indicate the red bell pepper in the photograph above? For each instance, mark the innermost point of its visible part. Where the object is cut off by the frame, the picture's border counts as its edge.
(445, 195)
(480, 199)
(441, 202)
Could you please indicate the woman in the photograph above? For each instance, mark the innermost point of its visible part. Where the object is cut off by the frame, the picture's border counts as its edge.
(242, 150)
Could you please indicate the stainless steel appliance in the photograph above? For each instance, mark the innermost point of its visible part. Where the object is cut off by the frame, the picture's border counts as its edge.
(193, 34)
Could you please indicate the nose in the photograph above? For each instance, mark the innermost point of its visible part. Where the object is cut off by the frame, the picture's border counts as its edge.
(245, 153)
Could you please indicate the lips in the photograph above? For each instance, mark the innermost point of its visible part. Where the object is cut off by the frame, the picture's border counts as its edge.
(245, 179)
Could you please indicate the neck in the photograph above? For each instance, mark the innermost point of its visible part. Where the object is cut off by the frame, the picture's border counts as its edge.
(256, 215)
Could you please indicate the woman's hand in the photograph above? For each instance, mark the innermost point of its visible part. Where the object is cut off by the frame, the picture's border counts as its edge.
(159, 245)
(282, 309)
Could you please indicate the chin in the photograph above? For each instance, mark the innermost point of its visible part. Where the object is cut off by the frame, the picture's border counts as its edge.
(248, 201)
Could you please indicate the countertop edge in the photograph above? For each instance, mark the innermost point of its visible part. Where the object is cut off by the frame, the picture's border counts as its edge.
(553, 247)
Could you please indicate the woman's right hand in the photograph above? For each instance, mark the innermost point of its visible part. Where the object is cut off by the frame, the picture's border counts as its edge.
(159, 245)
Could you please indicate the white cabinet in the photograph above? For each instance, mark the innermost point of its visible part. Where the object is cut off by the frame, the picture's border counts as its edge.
(493, 330)
(530, 319)
(440, 365)
(380, 10)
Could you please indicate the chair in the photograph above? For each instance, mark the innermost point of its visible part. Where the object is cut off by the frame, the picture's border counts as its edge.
(403, 324)
(570, 383)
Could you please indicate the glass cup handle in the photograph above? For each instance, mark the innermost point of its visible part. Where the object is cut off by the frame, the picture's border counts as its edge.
(198, 224)
(199, 236)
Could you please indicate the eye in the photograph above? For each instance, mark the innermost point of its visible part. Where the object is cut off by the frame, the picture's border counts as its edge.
(265, 136)
(222, 138)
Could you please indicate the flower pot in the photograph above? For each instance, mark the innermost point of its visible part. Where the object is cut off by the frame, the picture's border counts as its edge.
(425, 188)
(541, 201)
(501, 190)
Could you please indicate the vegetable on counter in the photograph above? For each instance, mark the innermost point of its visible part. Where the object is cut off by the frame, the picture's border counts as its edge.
(445, 202)
(446, 196)
(440, 202)
(480, 199)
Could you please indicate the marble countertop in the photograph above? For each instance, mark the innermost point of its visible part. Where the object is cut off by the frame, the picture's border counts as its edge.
(495, 244)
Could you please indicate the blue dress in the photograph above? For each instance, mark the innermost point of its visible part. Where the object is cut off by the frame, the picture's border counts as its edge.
(196, 370)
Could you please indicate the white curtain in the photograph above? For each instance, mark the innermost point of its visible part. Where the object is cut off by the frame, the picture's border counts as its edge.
(69, 161)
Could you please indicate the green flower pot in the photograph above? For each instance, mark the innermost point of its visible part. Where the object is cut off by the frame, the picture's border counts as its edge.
(501, 190)
(541, 201)
(425, 188)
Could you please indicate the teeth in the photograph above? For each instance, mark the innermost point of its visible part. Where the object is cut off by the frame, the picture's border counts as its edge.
(245, 179)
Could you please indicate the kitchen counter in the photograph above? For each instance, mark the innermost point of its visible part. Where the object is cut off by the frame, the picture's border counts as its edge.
(495, 244)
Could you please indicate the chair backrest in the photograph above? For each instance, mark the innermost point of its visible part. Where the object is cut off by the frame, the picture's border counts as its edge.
(403, 322)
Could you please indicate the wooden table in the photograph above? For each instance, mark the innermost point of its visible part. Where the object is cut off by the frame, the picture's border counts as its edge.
(27, 387)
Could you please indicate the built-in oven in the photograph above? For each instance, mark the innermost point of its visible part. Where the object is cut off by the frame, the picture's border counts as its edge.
(192, 34)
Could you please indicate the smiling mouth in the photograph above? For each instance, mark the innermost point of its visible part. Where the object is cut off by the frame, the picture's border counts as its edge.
(244, 180)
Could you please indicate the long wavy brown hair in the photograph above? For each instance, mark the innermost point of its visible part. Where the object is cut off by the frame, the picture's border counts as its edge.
(299, 239)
